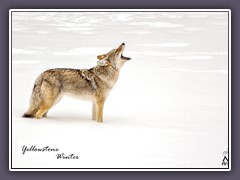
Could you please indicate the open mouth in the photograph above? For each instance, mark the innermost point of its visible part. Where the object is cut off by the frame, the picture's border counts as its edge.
(125, 58)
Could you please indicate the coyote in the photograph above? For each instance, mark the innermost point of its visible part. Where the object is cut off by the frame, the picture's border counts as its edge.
(93, 84)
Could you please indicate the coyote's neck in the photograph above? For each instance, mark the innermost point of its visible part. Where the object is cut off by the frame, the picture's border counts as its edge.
(108, 74)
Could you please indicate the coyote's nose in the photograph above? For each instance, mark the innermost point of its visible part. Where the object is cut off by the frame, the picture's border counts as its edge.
(123, 44)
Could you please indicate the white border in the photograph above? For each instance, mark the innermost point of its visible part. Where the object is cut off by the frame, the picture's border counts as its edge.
(10, 89)
(117, 10)
(229, 90)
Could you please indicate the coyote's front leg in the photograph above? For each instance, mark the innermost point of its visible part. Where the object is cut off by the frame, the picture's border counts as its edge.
(94, 111)
(98, 110)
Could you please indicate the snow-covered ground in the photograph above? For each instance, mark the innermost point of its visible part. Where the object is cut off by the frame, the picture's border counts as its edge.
(169, 108)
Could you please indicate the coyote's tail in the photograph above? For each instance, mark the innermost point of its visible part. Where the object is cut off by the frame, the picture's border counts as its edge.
(35, 99)
(27, 115)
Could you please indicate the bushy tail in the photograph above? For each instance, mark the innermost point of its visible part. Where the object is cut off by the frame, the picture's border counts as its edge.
(26, 115)
(35, 99)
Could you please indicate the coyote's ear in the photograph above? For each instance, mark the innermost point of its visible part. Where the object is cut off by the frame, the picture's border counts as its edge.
(100, 57)
(103, 63)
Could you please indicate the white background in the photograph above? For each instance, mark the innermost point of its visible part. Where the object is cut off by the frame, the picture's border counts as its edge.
(169, 108)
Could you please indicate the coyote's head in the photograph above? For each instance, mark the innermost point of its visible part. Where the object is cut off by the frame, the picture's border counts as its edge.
(113, 58)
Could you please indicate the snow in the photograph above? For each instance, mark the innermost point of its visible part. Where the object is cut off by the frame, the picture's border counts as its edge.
(169, 108)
